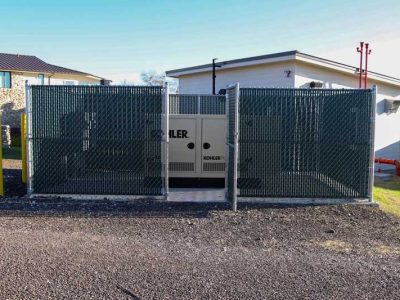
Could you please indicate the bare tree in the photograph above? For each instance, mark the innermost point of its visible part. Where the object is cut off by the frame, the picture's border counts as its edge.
(151, 78)
(126, 82)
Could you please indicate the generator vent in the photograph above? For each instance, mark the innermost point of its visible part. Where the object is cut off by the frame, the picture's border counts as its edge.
(181, 166)
(213, 167)
(186, 104)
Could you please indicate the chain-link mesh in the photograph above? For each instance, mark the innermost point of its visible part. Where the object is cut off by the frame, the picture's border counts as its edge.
(182, 104)
(304, 143)
(231, 176)
(96, 140)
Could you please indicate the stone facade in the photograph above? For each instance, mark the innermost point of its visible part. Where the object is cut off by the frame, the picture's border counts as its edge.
(12, 101)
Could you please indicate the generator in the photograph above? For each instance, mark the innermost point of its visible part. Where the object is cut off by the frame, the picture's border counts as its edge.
(197, 134)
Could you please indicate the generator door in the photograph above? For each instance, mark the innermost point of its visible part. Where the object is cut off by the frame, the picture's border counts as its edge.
(212, 144)
(182, 145)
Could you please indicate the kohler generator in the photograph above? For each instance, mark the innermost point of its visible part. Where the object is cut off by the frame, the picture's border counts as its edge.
(197, 134)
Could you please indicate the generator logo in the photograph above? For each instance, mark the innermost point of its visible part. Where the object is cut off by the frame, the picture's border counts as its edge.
(213, 157)
(178, 134)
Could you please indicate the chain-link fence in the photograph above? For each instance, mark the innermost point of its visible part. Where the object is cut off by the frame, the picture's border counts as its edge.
(299, 143)
(96, 140)
(185, 104)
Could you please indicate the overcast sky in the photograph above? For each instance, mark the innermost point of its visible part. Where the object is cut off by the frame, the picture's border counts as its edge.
(119, 39)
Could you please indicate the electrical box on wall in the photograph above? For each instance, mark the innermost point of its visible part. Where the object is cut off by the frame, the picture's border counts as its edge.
(392, 105)
(316, 84)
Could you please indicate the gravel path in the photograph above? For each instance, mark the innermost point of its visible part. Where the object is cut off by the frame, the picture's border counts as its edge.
(64, 249)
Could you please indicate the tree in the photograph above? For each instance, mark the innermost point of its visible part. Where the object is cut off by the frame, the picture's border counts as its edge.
(151, 78)
(126, 82)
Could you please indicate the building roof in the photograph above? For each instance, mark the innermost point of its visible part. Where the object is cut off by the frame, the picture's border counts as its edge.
(280, 57)
(29, 63)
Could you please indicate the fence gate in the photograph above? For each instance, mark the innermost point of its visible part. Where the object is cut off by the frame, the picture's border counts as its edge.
(232, 145)
(97, 140)
(304, 143)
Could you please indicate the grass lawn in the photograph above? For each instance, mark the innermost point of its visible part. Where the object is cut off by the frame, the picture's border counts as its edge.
(387, 194)
(12, 153)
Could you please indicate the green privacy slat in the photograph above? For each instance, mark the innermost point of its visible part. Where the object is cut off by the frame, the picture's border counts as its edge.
(96, 140)
(304, 143)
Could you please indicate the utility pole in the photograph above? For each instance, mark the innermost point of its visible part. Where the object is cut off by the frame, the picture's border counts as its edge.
(213, 74)
(360, 50)
(367, 53)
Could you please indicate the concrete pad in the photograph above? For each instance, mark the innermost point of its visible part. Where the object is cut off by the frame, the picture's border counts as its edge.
(196, 195)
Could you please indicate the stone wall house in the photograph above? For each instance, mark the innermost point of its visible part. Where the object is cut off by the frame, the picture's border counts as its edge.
(18, 70)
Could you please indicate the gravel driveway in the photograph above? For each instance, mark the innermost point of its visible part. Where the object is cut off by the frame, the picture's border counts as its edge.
(58, 248)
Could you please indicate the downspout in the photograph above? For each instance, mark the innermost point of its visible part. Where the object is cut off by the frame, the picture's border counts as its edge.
(48, 81)
(367, 52)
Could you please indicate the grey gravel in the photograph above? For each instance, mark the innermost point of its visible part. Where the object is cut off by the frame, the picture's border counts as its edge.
(74, 249)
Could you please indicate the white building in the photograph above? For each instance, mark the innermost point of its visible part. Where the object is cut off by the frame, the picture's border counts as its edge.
(294, 69)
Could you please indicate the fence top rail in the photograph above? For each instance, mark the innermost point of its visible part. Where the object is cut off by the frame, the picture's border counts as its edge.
(196, 95)
(308, 89)
(97, 86)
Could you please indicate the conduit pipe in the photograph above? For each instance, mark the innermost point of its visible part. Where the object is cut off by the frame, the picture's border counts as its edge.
(389, 162)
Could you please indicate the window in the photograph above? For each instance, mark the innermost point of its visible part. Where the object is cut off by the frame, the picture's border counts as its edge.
(41, 79)
(5, 80)
(69, 82)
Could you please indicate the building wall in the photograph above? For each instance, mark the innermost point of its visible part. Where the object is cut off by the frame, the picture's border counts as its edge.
(12, 101)
(305, 73)
(387, 134)
(268, 75)
(387, 126)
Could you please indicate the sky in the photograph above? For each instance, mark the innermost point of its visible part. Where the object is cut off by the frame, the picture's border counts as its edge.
(120, 39)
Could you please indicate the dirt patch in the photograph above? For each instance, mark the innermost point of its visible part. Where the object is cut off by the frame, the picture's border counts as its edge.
(336, 245)
(388, 250)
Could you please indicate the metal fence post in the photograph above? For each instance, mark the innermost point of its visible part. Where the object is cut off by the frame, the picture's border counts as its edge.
(227, 143)
(166, 141)
(372, 149)
(28, 111)
(236, 146)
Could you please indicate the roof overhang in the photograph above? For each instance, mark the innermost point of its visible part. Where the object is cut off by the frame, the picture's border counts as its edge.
(343, 68)
(54, 73)
(237, 63)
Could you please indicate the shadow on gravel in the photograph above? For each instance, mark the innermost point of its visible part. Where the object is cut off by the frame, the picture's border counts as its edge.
(13, 185)
(62, 207)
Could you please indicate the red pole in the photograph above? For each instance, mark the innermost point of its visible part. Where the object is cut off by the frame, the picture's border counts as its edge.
(360, 50)
(367, 52)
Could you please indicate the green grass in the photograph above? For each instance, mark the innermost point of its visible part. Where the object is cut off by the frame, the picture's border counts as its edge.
(12, 153)
(387, 194)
